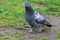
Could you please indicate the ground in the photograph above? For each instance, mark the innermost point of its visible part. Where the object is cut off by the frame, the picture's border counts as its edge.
(10, 33)
(12, 14)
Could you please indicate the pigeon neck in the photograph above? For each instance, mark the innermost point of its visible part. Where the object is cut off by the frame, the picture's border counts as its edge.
(29, 10)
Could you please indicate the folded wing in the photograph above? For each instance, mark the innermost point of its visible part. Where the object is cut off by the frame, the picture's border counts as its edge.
(40, 19)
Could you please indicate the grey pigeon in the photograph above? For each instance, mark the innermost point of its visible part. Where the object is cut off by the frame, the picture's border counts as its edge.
(34, 18)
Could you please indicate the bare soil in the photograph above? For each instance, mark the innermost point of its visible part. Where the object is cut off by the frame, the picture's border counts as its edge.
(29, 36)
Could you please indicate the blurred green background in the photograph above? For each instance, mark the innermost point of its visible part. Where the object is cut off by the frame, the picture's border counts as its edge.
(12, 11)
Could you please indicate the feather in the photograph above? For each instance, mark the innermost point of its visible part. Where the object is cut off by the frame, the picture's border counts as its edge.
(34, 18)
(40, 19)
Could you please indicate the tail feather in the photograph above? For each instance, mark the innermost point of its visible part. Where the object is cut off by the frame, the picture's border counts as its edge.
(47, 23)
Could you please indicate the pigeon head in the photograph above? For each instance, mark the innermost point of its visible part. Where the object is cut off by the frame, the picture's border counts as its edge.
(28, 8)
(27, 4)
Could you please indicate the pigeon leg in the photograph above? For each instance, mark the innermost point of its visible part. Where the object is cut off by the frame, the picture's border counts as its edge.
(39, 30)
(30, 30)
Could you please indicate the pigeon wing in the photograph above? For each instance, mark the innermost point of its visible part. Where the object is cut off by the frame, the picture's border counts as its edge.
(40, 19)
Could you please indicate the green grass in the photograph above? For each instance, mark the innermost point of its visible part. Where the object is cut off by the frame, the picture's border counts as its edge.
(45, 38)
(12, 36)
(36, 37)
(58, 36)
(12, 12)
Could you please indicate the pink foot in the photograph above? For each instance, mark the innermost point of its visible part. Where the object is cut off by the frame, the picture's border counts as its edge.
(30, 31)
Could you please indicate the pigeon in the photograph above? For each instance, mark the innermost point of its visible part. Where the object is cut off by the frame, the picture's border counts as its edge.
(34, 18)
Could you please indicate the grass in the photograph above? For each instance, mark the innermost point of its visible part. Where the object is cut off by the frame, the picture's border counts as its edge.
(36, 37)
(12, 14)
(45, 38)
(12, 36)
(58, 36)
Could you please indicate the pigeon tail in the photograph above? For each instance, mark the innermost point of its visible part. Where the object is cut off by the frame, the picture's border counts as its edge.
(47, 23)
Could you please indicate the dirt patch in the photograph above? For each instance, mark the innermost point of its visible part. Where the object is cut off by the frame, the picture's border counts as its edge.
(50, 35)
(37, 36)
